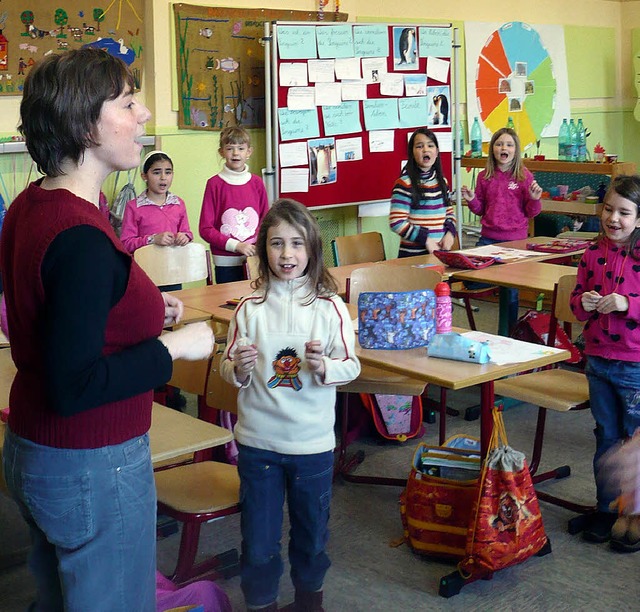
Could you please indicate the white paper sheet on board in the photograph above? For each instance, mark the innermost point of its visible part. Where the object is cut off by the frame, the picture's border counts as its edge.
(294, 180)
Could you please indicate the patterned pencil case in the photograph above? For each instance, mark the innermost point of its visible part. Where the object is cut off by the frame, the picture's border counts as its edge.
(396, 319)
(561, 245)
(457, 259)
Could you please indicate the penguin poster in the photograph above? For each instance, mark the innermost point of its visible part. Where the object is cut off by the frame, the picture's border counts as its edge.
(438, 100)
(405, 48)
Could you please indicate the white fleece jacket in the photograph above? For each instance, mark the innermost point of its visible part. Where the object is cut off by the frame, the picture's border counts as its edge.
(283, 406)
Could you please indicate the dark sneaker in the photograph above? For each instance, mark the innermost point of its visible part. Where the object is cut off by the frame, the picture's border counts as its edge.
(599, 528)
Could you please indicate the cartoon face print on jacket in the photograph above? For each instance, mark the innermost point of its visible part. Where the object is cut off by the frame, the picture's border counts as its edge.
(287, 367)
(240, 224)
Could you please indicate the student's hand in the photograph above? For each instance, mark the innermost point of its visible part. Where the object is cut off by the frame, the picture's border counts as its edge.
(447, 242)
(590, 300)
(614, 302)
(173, 309)
(244, 361)
(191, 342)
(467, 194)
(164, 239)
(313, 352)
(181, 239)
(535, 191)
(247, 249)
(432, 245)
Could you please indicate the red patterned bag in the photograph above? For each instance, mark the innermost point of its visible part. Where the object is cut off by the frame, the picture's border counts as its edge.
(506, 525)
(435, 506)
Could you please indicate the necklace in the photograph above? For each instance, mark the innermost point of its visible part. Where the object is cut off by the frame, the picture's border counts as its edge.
(614, 279)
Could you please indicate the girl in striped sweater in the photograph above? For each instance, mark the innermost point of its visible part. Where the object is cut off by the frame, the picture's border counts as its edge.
(421, 211)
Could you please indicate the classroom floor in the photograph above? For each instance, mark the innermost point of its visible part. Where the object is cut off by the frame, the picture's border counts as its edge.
(370, 575)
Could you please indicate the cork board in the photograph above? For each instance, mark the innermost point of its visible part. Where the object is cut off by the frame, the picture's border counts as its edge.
(220, 63)
(29, 30)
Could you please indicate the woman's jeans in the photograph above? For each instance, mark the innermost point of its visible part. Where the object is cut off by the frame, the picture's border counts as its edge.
(91, 513)
(265, 477)
(614, 391)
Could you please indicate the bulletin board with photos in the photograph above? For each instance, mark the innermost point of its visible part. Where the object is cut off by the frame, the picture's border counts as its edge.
(348, 97)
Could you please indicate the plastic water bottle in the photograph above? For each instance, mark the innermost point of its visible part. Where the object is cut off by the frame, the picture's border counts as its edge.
(443, 308)
(564, 141)
(573, 132)
(510, 123)
(582, 142)
(476, 139)
(460, 138)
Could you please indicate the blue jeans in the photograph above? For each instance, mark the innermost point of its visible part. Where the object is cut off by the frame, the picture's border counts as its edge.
(510, 294)
(614, 390)
(265, 477)
(91, 513)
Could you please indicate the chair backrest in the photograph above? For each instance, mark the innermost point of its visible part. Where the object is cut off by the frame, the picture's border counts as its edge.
(170, 265)
(220, 394)
(562, 310)
(386, 277)
(358, 248)
(252, 267)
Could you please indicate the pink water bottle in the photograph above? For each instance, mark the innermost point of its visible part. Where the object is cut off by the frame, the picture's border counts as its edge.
(443, 308)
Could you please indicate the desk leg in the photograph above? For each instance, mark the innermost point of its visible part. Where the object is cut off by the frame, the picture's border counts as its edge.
(487, 399)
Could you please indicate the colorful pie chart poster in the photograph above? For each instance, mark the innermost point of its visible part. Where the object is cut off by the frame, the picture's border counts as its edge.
(520, 71)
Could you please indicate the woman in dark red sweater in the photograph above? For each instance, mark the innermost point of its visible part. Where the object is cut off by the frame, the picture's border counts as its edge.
(84, 323)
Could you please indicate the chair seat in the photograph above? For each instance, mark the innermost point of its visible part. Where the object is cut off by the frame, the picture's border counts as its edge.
(375, 380)
(556, 389)
(199, 488)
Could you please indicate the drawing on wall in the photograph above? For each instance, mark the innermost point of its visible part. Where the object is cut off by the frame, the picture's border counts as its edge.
(29, 33)
(220, 63)
(323, 167)
(517, 70)
(438, 98)
(405, 48)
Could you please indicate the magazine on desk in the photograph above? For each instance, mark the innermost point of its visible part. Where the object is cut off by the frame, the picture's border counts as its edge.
(504, 350)
(500, 254)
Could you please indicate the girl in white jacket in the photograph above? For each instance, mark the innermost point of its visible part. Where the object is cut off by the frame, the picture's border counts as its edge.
(290, 343)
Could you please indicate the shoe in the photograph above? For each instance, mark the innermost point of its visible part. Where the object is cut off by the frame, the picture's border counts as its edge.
(599, 527)
(629, 541)
(619, 529)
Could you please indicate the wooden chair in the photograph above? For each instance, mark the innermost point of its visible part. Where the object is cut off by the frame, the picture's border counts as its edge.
(251, 267)
(374, 380)
(201, 491)
(358, 248)
(460, 292)
(557, 389)
(175, 264)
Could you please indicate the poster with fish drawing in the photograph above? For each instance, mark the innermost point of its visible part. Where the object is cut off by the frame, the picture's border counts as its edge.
(220, 63)
(30, 30)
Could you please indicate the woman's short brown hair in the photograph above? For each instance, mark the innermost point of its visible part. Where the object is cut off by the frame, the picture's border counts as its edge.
(62, 101)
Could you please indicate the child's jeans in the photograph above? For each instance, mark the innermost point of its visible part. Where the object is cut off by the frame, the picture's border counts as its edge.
(614, 391)
(512, 294)
(265, 476)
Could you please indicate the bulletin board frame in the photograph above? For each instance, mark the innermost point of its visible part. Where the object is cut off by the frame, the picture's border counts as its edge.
(365, 172)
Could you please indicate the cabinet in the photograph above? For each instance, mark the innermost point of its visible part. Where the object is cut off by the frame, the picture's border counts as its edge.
(555, 165)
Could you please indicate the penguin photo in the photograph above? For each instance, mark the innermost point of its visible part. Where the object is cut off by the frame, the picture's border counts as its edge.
(406, 52)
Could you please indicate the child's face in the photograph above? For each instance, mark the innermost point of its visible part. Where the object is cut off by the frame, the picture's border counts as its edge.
(619, 218)
(504, 151)
(159, 177)
(236, 155)
(425, 152)
(287, 251)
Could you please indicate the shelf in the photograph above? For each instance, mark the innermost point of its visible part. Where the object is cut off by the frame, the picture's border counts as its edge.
(555, 165)
(569, 207)
(19, 146)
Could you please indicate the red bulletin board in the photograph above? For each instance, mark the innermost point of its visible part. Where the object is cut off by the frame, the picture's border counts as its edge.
(371, 178)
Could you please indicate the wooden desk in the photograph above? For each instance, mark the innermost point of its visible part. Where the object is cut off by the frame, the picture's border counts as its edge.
(416, 364)
(174, 433)
(538, 276)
